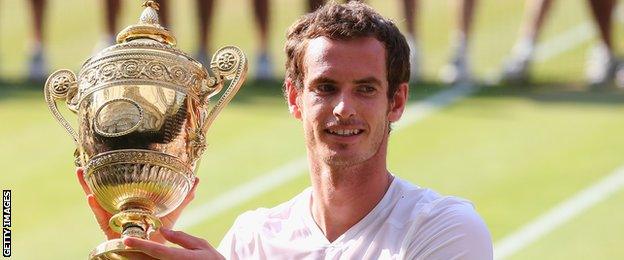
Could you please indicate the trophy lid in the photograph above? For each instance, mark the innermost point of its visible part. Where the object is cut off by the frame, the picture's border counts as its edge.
(148, 27)
(145, 54)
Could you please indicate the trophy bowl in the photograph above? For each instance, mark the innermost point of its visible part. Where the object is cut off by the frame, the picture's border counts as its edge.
(143, 109)
(138, 183)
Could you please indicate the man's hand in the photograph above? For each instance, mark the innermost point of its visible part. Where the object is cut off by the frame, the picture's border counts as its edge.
(102, 216)
(193, 247)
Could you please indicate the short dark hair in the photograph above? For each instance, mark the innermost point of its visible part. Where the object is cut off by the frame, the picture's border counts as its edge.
(344, 22)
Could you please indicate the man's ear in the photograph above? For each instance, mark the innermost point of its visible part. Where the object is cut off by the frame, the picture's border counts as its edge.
(293, 97)
(398, 102)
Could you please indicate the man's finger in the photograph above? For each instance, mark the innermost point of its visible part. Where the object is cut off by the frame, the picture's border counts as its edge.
(156, 250)
(83, 183)
(101, 215)
(184, 240)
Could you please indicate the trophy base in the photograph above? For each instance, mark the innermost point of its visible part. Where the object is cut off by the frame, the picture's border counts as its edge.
(116, 250)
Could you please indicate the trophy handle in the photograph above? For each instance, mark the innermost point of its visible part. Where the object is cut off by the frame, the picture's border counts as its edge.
(228, 63)
(61, 85)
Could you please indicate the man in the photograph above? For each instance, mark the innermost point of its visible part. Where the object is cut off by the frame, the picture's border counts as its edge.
(347, 70)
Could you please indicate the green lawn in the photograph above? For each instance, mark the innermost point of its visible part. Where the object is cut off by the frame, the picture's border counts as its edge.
(515, 152)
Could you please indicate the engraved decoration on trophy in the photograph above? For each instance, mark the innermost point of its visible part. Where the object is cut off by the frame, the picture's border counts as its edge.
(143, 112)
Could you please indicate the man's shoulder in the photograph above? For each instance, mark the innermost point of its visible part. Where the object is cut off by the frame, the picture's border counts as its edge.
(426, 202)
(451, 227)
(434, 219)
(415, 202)
(260, 224)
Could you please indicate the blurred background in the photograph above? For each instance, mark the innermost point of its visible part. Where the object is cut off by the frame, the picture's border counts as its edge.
(540, 155)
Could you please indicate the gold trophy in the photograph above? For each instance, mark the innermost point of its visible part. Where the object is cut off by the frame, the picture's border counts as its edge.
(143, 112)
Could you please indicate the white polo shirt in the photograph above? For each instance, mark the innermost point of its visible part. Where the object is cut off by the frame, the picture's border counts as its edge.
(408, 223)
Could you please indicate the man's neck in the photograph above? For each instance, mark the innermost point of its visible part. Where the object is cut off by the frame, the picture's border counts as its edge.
(342, 196)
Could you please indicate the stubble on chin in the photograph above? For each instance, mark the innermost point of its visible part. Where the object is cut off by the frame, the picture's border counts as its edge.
(338, 160)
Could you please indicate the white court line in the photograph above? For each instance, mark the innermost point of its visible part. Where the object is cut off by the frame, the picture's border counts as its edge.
(420, 110)
(559, 215)
(619, 15)
(563, 212)
(243, 193)
(565, 41)
(571, 38)
(557, 45)
(268, 181)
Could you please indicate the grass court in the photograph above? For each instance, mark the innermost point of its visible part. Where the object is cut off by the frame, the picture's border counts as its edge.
(515, 151)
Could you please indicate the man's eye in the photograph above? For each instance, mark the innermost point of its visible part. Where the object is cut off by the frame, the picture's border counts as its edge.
(325, 88)
(366, 89)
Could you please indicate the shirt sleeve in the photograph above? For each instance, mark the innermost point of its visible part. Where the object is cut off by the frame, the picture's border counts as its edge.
(238, 241)
(226, 247)
(451, 230)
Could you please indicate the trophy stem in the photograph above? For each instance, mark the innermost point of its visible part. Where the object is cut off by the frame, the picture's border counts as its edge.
(134, 223)
(133, 230)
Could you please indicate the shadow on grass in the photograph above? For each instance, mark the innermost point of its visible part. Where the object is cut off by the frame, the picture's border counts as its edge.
(20, 89)
(557, 92)
(271, 91)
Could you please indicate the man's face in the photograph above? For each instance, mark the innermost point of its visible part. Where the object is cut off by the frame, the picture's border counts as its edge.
(344, 106)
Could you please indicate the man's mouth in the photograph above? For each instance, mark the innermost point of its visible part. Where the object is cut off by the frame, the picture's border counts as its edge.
(344, 132)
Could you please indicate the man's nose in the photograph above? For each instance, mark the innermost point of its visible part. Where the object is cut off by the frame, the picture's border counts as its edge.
(344, 107)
